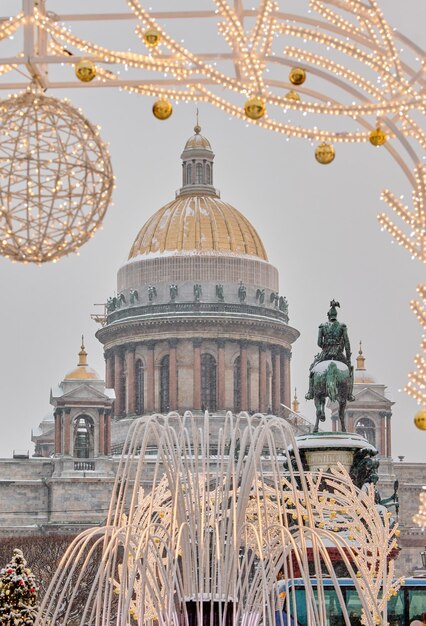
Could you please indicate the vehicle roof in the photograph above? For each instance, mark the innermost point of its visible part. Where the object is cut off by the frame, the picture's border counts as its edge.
(348, 582)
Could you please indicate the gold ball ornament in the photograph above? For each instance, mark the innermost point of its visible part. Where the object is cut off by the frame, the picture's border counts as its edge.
(324, 153)
(85, 70)
(377, 137)
(297, 76)
(162, 109)
(420, 419)
(293, 95)
(254, 108)
(152, 37)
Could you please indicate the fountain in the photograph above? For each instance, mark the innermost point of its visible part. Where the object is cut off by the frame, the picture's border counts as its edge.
(199, 531)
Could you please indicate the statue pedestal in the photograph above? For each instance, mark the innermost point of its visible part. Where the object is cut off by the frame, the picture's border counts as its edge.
(323, 451)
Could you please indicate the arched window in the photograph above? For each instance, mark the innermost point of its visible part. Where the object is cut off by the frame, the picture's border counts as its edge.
(199, 173)
(140, 388)
(367, 429)
(208, 174)
(164, 384)
(208, 382)
(189, 174)
(83, 437)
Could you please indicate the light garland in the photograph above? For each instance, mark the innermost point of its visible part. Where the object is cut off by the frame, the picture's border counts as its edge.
(416, 386)
(420, 517)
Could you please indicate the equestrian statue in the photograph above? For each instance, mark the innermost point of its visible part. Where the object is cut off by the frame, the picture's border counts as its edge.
(331, 373)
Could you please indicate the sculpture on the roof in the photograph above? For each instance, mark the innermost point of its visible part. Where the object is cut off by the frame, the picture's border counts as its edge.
(173, 291)
(283, 305)
(197, 292)
(219, 293)
(134, 296)
(242, 292)
(331, 373)
(152, 293)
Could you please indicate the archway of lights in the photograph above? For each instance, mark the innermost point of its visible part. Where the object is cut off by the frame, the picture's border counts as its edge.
(362, 74)
(201, 527)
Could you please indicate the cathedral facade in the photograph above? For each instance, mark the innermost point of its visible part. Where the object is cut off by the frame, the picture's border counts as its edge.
(199, 324)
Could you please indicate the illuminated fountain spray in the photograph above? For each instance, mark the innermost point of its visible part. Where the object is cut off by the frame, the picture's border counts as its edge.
(203, 523)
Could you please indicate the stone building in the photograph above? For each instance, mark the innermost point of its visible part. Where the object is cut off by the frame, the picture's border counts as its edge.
(198, 323)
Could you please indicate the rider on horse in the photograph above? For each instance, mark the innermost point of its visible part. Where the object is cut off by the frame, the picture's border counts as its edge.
(334, 343)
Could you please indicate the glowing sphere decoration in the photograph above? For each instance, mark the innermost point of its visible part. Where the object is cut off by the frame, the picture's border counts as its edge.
(162, 109)
(297, 76)
(85, 70)
(324, 153)
(420, 419)
(56, 178)
(254, 108)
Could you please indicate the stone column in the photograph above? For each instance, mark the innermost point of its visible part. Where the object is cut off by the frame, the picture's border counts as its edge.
(173, 388)
(388, 435)
(118, 383)
(262, 378)
(150, 400)
(243, 376)
(109, 369)
(221, 374)
(101, 450)
(382, 448)
(131, 382)
(196, 397)
(107, 442)
(287, 378)
(58, 431)
(276, 380)
(67, 432)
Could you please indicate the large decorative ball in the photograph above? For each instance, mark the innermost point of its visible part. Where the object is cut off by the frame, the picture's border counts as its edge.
(85, 70)
(377, 137)
(324, 153)
(420, 419)
(297, 76)
(162, 109)
(56, 178)
(152, 37)
(254, 108)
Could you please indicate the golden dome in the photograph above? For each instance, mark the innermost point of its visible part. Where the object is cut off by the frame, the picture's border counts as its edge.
(197, 141)
(202, 224)
(361, 375)
(82, 371)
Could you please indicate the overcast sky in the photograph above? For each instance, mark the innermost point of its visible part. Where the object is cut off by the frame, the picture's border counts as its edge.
(318, 225)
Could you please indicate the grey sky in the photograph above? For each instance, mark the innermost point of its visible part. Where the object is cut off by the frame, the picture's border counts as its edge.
(318, 225)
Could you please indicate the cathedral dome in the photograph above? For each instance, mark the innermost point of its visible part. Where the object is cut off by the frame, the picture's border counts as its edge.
(361, 375)
(197, 141)
(83, 371)
(198, 224)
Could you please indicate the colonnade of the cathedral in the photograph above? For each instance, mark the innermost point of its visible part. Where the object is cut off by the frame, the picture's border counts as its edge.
(197, 373)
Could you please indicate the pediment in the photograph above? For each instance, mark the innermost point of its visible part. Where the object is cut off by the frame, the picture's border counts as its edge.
(84, 392)
(368, 395)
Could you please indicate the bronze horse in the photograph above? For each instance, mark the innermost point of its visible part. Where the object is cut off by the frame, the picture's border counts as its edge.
(331, 380)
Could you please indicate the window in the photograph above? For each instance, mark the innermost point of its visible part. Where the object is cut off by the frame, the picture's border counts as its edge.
(208, 382)
(208, 174)
(83, 437)
(164, 384)
(367, 429)
(199, 173)
(139, 382)
(189, 174)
